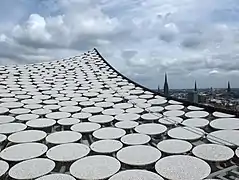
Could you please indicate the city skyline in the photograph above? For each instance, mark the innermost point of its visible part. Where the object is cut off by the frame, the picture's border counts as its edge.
(165, 86)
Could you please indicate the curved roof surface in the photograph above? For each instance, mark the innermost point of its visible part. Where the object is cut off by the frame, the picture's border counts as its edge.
(94, 123)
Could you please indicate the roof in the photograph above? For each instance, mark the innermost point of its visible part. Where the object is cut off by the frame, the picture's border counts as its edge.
(81, 118)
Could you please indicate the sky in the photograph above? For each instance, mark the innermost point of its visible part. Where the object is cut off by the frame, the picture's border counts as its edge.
(187, 39)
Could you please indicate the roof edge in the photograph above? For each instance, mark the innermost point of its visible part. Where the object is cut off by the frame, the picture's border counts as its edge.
(187, 103)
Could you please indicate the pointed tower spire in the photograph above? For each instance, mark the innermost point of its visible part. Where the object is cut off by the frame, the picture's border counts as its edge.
(228, 87)
(195, 86)
(165, 88)
(158, 88)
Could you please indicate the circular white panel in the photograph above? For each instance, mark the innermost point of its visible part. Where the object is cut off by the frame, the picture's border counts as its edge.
(41, 123)
(26, 117)
(93, 110)
(127, 117)
(56, 177)
(104, 104)
(182, 167)
(31, 169)
(68, 121)
(52, 107)
(2, 138)
(3, 167)
(194, 108)
(33, 106)
(197, 114)
(123, 106)
(174, 107)
(68, 152)
(6, 119)
(11, 105)
(170, 120)
(135, 139)
(95, 167)
(174, 146)
(237, 153)
(62, 137)
(136, 92)
(138, 155)
(31, 101)
(101, 119)
(109, 133)
(86, 103)
(174, 102)
(151, 129)
(222, 115)
(3, 110)
(85, 127)
(226, 137)
(157, 101)
(68, 103)
(28, 151)
(10, 128)
(225, 123)
(41, 111)
(82, 115)
(196, 122)
(136, 174)
(70, 109)
(19, 111)
(155, 109)
(51, 102)
(106, 146)
(151, 116)
(58, 115)
(174, 113)
(186, 133)
(126, 124)
(27, 136)
(213, 152)
(135, 110)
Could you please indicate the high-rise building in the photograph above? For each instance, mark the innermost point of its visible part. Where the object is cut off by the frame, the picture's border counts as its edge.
(165, 87)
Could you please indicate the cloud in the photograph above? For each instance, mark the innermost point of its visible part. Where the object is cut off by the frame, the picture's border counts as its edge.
(214, 71)
(169, 32)
(143, 39)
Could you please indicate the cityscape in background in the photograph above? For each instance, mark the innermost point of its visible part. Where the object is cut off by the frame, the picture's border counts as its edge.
(226, 98)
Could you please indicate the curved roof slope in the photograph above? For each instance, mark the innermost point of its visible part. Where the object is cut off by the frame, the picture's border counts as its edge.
(79, 118)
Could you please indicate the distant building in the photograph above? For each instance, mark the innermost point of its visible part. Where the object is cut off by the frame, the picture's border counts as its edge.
(193, 95)
(202, 98)
(165, 87)
(228, 87)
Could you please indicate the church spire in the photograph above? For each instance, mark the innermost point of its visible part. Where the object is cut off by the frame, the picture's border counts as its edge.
(228, 87)
(165, 88)
(158, 89)
(195, 86)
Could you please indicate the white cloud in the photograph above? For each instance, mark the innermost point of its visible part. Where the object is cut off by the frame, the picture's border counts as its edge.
(34, 30)
(214, 71)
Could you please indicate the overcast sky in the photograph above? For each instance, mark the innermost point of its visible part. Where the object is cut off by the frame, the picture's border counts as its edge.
(188, 39)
